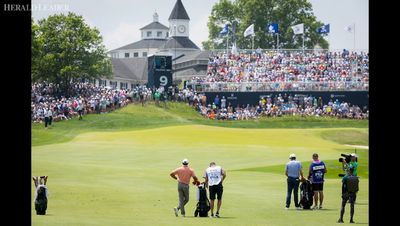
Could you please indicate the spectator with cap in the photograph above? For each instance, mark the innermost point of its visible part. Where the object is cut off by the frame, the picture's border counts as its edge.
(182, 175)
(293, 171)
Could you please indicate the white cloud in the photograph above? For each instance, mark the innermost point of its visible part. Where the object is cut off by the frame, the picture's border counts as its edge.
(123, 34)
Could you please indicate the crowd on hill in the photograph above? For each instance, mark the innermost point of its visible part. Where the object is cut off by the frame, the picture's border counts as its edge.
(89, 99)
(277, 71)
(86, 98)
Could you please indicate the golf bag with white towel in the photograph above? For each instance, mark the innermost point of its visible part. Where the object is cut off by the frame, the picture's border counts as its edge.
(41, 194)
(203, 204)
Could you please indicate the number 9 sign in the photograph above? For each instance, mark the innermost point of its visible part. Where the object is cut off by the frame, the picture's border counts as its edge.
(163, 80)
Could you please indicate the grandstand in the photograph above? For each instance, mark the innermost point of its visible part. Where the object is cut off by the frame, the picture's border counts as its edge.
(329, 74)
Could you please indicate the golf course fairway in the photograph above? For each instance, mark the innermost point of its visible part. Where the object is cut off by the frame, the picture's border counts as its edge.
(119, 174)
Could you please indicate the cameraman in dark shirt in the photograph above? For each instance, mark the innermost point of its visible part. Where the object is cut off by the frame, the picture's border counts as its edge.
(349, 193)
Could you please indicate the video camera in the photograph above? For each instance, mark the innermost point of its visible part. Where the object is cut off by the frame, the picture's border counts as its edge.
(346, 157)
(345, 161)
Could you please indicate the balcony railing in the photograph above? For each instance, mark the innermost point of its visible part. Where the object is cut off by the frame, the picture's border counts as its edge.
(278, 86)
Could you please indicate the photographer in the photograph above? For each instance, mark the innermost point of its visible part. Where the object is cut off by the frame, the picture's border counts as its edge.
(350, 162)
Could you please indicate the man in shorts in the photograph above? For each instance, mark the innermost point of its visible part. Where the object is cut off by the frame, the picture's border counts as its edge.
(316, 174)
(214, 176)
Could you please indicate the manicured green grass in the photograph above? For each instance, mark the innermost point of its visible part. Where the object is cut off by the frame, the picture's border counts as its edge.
(347, 137)
(113, 169)
(334, 166)
(135, 117)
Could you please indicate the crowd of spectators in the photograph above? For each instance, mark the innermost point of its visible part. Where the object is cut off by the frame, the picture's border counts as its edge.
(268, 71)
(276, 106)
(284, 70)
(91, 99)
(86, 98)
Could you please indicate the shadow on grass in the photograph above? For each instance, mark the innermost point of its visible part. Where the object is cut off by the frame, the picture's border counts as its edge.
(311, 210)
(211, 217)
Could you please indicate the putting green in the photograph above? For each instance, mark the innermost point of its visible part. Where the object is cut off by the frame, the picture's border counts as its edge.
(122, 178)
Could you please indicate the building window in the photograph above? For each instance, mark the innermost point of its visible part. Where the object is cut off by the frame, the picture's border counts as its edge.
(144, 54)
(126, 55)
(166, 35)
(113, 84)
(102, 82)
(149, 34)
(123, 85)
(136, 54)
(159, 34)
(132, 86)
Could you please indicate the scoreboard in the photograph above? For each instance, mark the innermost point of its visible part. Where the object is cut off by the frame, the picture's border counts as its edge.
(159, 71)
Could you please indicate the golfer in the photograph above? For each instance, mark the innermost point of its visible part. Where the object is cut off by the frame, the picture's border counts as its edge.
(293, 171)
(184, 174)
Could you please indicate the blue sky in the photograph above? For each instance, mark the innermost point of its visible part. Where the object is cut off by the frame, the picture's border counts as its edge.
(119, 21)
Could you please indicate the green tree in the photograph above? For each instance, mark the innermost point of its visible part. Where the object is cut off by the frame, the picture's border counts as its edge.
(65, 49)
(260, 13)
(35, 43)
(223, 12)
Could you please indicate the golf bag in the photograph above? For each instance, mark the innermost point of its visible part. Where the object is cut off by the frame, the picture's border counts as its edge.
(306, 194)
(41, 194)
(203, 204)
(41, 200)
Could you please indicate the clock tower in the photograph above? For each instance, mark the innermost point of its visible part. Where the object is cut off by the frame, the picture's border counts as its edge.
(178, 43)
(179, 21)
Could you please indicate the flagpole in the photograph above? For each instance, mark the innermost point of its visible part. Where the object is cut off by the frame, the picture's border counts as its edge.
(354, 39)
(252, 43)
(303, 42)
(327, 37)
(277, 41)
(227, 43)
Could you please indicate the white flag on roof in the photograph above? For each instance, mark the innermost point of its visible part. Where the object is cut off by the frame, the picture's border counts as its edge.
(298, 29)
(249, 31)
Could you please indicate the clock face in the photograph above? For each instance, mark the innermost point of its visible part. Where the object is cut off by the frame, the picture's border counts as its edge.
(181, 28)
